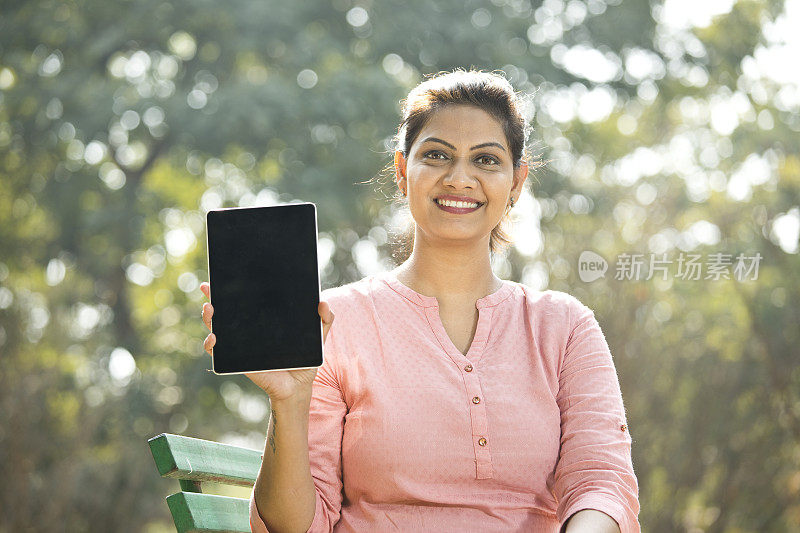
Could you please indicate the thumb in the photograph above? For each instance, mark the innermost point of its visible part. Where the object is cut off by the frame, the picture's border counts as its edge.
(325, 312)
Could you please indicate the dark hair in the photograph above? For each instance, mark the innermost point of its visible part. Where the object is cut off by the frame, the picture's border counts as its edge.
(489, 91)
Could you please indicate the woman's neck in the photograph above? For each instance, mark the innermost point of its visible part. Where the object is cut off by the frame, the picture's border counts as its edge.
(451, 276)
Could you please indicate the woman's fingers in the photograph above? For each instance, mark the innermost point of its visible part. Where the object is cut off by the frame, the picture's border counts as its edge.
(208, 312)
(208, 309)
(209, 343)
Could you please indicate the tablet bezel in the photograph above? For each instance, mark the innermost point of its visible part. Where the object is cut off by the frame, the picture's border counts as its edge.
(319, 286)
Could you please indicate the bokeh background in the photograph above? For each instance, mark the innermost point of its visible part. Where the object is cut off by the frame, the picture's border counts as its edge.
(670, 127)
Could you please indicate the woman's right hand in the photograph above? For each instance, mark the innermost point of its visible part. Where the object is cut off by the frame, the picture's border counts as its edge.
(278, 384)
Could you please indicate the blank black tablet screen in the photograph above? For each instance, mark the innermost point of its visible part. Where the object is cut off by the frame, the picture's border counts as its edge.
(264, 278)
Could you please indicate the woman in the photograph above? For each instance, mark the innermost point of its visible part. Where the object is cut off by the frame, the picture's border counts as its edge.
(450, 399)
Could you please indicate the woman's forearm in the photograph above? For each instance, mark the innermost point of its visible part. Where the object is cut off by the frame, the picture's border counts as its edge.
(591, 521)
(284, 490)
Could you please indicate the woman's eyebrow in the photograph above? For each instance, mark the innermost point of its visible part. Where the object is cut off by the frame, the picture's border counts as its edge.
(482, 145)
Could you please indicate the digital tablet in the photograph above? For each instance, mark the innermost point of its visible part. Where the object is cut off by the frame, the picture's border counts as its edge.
(265, 288)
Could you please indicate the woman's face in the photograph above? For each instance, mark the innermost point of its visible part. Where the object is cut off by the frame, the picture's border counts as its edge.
(461, 154)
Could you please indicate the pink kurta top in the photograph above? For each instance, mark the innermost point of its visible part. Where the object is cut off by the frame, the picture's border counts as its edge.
(406, 433)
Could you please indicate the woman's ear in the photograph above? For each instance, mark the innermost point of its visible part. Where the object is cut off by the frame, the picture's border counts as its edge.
(399, 166)
(520, 175)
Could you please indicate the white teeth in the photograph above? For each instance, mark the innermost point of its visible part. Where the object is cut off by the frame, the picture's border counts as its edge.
(449, 203)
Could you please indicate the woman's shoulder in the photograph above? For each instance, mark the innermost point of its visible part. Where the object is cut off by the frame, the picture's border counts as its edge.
(353, 295)
(553, 304)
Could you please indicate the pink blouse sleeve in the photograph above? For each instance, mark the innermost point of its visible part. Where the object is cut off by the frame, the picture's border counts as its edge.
(325, 426)
(594, 470)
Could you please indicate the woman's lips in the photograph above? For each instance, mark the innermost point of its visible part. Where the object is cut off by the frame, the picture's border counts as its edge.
(457, 210)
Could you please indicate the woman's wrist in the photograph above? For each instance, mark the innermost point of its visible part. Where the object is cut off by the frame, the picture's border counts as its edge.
(297, 402)
(289, 417)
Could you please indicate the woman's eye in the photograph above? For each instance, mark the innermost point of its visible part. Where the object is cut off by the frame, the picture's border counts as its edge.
(483, 160)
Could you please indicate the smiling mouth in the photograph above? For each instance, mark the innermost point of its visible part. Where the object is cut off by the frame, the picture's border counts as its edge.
(459, 205)
(458, 208)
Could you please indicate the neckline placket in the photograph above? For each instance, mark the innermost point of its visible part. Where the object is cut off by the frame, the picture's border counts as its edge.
(479, 421)
(430, 306)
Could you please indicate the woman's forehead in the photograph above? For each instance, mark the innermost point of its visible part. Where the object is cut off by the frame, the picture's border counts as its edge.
(463, 124)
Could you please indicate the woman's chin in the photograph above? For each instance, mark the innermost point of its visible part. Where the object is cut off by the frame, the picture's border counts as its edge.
(457, 236)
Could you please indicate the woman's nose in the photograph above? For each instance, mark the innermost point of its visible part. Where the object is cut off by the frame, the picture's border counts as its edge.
(459, 174)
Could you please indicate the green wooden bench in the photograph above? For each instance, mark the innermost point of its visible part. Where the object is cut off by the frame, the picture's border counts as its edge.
(194, 461)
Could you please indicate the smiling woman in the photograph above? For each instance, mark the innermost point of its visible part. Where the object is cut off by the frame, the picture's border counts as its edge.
(490, 121)
(460, 189)
(450, 399)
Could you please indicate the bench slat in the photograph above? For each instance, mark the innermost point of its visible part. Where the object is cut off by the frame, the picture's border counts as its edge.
(193, 459)
(207, 513)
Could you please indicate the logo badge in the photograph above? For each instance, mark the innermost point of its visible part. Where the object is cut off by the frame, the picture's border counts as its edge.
(591, 266)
